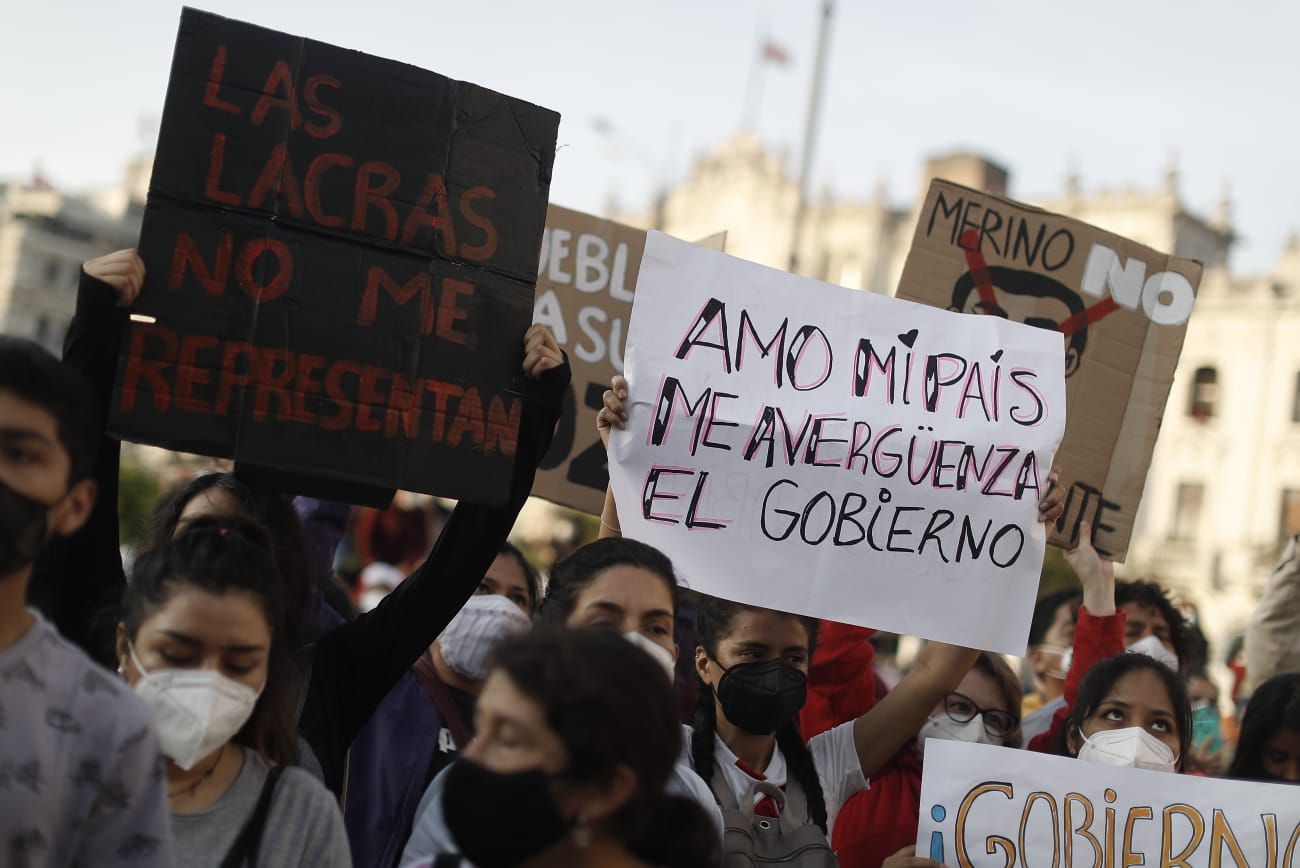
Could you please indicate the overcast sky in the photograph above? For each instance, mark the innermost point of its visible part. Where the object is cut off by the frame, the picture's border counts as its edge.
(1115, 88)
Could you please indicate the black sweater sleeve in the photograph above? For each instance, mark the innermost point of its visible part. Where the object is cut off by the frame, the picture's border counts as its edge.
(356, 664)
(80, 577)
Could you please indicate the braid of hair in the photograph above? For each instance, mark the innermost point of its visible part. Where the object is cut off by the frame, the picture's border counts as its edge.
(799, 761)
(703, 728)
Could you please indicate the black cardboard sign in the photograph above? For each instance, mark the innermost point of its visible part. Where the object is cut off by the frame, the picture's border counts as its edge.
(341, 254)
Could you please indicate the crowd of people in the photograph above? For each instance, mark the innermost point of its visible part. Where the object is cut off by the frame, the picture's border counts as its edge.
(227, 702)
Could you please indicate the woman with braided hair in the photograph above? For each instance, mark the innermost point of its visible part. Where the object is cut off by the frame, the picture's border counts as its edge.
(753, 666)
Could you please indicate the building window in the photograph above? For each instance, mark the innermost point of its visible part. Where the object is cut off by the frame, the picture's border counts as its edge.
(1187, 510)
(1205, 394)
(1295, 400)
(1288, 524)
(52, 270)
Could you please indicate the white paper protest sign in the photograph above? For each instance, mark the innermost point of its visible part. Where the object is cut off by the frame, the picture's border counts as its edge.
(850, 456)
(994, 806)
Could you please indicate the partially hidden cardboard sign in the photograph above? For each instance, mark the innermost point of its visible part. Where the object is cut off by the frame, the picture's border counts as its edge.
(1122, 311)
(994, 806)
(585, 286)
(813, 449)
(341, 253)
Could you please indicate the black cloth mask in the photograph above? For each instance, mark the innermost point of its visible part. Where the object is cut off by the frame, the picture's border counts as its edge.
(24, 526)
(759, 697)
(469, 798)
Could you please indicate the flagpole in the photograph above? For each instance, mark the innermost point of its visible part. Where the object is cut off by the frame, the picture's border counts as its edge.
(810, 132)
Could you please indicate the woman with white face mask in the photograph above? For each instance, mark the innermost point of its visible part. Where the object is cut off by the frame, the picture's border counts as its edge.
(435, 701)
(882, 820)
(1131, 710)
(616, 585)
(201, 642)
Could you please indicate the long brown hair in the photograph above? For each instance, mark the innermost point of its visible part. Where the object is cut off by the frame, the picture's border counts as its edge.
(222, 556)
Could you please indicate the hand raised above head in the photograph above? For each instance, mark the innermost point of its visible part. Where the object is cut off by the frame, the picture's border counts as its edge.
(122, 270)
(541, 352)
(1096, 574)
(614, 413)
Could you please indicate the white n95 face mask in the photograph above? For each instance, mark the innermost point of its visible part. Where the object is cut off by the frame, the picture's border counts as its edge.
(944, 728)
(657, 652)
(1156, 650)
(468, 641)
(1132, 746)
(195, 711)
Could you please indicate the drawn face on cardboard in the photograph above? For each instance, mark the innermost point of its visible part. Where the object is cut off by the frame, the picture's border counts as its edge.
(1033, 299)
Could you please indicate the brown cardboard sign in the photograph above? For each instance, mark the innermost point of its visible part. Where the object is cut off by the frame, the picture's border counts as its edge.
(340, 253)
(1122, 309)
(585, 283)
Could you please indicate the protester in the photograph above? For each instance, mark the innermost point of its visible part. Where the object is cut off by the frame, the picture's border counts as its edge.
(1268, 746)
(202, 642)
(376, 581)
(435, 704)
(746, 733)
(614, 584)
(78, 756)
(753, 664)
(352, 667)
(1152, 624)
(576, 741)
(880, 821)
(1131, 710)
(1051, 646)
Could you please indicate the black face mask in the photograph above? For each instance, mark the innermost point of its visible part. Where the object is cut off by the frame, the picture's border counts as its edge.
(24, 525)
(535, 824)
(760, 697)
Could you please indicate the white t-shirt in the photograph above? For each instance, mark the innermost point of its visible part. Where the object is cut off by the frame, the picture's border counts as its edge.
(834, 756)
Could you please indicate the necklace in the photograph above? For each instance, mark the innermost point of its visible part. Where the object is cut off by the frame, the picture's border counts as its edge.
(202, 779)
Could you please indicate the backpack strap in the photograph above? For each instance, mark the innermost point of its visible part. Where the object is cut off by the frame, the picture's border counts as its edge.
(441, 696)
(791, 799)
(244, 850)
(719, 786)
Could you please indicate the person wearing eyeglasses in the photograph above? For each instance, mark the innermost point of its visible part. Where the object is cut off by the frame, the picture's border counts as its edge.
(878, 826)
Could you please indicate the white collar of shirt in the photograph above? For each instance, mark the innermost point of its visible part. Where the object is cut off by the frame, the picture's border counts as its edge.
(737, 779)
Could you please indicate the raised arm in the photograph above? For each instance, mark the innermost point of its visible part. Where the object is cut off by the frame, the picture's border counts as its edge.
(1098, 633)
(80, 576)
(896, 719)
(355, 665)
(938, 670)
(612, 415)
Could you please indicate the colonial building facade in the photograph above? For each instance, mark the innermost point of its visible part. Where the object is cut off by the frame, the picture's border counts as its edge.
(45, 235)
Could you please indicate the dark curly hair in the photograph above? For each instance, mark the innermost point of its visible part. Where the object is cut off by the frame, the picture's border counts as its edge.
(1152, 596)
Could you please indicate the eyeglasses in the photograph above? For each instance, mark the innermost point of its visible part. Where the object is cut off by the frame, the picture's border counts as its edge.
(962, 709)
